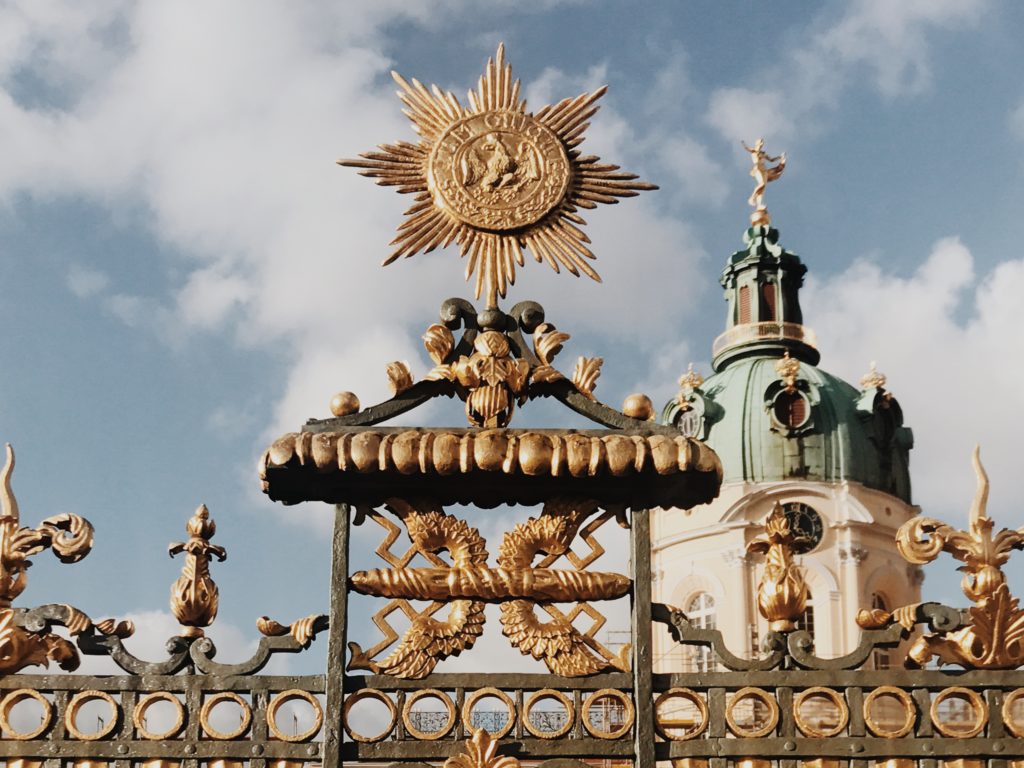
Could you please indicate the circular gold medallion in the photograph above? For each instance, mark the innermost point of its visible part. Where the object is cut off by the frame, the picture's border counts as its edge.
(498, 170)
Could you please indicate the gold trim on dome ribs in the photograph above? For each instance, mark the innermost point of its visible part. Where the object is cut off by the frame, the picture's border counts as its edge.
(496, 179)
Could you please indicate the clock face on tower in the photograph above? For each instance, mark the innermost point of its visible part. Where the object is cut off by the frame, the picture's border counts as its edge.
(806, 523)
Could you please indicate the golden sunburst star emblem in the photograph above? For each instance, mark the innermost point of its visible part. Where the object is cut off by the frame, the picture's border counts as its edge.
(495, 179)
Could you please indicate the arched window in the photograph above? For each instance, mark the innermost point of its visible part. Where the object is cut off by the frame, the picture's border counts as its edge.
(806, 620)
(880, 656)
(744, 308)
(701, 613)
(768, 301)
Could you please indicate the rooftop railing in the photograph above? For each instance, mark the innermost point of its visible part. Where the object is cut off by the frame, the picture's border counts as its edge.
(767, 331)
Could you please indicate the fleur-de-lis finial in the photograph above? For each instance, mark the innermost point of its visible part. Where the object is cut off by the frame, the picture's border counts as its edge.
(194, 596)
(782, 593)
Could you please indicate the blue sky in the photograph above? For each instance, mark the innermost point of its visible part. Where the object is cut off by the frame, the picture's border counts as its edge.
(186, 273)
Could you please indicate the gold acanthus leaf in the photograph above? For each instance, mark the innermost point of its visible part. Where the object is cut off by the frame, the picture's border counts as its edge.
(547, 342)
(439, 343)
(586, 374)
(399, 377)
(303, 630)
(481, 752)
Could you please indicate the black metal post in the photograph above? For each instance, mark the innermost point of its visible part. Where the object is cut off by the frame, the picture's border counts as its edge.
(334, 685)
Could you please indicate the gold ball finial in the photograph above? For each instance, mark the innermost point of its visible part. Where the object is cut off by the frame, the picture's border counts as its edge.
(638, 406)
(344, 403)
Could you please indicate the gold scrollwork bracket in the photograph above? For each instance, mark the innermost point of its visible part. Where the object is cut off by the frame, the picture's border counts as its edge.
(994, 636)
(70, 537)
(303, 631)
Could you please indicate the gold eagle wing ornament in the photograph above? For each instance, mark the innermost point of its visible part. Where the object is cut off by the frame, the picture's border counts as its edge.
(495, 179)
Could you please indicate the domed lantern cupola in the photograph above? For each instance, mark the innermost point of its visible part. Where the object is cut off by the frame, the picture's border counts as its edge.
(762, 284)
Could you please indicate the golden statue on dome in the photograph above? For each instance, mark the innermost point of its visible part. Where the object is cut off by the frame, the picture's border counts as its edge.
(763, 174)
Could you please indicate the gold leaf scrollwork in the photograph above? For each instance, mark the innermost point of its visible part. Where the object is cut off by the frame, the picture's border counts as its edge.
(302, 631)
(439, 343)
(586, 374)
(194, 596)
(70, 537)
(399, 377)
(493, 378)
(481, 752)
(994, 638)
(782, 593)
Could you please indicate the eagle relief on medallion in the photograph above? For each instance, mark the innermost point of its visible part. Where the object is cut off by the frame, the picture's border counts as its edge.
(499, 170)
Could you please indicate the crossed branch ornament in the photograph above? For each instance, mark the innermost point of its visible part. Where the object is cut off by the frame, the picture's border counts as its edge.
(468, 583)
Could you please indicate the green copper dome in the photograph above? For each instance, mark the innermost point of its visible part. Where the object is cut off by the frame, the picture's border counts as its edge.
(769, 412)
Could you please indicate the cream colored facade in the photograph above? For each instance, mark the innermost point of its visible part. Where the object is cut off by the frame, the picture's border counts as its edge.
(701, 553)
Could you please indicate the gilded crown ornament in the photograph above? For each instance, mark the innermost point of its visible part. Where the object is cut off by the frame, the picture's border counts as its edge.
(495, 179)
(689, 382)
(763, 175)
(873, 379)
(782, 593)
(194, 596)
(788, 369)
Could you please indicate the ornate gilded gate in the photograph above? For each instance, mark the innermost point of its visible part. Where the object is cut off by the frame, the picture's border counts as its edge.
(497, 180)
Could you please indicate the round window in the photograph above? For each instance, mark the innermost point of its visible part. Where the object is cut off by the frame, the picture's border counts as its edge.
(791, 410)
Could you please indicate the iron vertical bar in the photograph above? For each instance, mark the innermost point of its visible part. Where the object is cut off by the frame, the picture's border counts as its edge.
(334, 685)
(643, 692)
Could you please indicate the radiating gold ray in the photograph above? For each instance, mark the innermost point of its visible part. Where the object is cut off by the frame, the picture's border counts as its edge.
(495, 180)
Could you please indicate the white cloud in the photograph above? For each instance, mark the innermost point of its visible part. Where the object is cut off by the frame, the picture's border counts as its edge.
(879, 41)
(950, 346)
(86, 283)
(223, 138)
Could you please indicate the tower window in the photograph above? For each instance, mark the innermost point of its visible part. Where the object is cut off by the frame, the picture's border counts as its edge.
(744, 314)
(768, 301)
(701, 613)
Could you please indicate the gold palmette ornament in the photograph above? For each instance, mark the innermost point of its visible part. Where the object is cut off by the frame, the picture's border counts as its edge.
(194, 596)
(481, 752)
(995, 637)
(496, 179)
(782, 593)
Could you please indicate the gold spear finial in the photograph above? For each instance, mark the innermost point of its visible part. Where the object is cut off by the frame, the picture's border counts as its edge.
(194, 596)
(762, 176)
